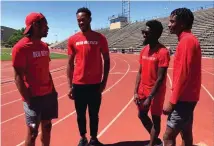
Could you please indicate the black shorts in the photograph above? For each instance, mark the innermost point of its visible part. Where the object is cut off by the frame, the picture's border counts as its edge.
(41, 108)
(181, 115)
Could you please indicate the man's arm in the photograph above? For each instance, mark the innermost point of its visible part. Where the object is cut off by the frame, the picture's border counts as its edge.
(138, 78)
(106, 59)
(187, 55)
(70, 70)
(137, 83)
(54, 89)
(161, 75)
(19, 73)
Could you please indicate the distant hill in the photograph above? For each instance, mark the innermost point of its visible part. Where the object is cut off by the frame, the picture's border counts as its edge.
(6, 32)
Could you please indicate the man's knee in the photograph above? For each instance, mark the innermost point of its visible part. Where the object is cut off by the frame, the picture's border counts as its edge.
(166, 136)
(170, 134)
(94, 117)
(187, 136)
(156, 121)
(47, 126)
(81, 117)
(143, 115)
(33, 133)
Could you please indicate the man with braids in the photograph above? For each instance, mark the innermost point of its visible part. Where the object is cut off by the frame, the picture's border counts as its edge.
(30, 60)
(87, 80)
(186, 79)
(150, 85)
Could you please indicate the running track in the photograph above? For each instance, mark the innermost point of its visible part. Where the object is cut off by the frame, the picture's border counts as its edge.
(119, 125)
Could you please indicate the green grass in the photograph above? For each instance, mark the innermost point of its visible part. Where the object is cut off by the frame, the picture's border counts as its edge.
(6, 55)
(58, 56)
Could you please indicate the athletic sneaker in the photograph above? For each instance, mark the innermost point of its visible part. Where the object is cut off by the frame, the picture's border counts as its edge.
(95, 142)
(83, 142)
(159, 142)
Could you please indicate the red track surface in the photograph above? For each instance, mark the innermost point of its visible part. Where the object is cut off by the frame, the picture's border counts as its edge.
(119, 125)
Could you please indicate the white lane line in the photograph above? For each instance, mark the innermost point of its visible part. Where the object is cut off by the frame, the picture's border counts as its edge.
(17, 90)
(67, 116)
(115, 118)
(20, 98)
(208, 72)
(208, 92)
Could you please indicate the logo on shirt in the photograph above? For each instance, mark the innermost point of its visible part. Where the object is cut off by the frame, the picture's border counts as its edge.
(148, 58)
(86, 42)
(37, 54)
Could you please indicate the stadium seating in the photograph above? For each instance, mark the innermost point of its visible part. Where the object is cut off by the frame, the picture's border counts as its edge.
(130, 36)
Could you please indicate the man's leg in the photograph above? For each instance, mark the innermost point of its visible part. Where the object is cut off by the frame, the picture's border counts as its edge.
(94, 107)
(143, 116)
(186, 132)
(32, 121)
(46, 126)
(80, 102)
(155, 131)
(32, 134)
(156, 112)
(49, 111)
(177, 121)
(145, 120)
(169, 137)
(174, 124)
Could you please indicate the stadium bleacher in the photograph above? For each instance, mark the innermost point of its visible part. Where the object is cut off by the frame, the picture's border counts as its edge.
(130, 37)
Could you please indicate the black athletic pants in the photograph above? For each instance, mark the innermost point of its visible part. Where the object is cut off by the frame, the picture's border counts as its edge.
(87, 96)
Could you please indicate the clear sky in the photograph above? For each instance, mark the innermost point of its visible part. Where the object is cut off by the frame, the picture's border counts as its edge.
(61, 15)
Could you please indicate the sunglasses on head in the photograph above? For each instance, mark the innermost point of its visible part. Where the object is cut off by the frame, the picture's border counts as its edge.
(145, 32)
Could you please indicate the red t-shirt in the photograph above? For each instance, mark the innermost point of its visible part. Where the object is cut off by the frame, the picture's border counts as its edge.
(87, 48)
(187, 69)
(33, 57)
(151, 60)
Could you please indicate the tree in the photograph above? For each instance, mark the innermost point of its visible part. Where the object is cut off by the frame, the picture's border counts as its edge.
(15, 37)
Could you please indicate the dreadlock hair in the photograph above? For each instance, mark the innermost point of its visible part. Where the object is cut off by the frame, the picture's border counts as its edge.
(185, 15)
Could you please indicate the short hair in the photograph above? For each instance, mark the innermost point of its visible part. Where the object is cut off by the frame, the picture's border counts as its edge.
(185, 15)
(156, 27)
(85, 10)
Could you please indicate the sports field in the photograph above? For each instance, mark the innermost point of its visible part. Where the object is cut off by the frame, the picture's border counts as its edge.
(119, 124)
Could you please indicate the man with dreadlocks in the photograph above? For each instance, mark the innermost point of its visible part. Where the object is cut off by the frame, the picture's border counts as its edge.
(186, 79)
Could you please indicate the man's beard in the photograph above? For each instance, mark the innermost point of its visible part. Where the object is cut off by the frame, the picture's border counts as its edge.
(146, 42)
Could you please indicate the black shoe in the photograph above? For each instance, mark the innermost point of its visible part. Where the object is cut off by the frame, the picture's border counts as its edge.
(95, 142)
(158, 142)
(83, 142)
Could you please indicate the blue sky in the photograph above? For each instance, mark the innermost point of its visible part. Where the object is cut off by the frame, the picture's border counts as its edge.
(61, 15)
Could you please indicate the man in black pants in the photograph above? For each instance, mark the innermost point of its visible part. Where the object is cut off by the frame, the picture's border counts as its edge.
(86, 81)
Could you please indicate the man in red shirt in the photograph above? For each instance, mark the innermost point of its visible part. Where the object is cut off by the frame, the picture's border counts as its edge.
(150, 85)
(30, 59)
(186, 79)
(85, 78)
